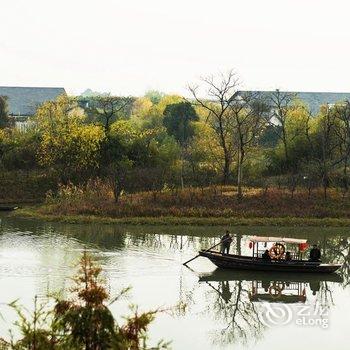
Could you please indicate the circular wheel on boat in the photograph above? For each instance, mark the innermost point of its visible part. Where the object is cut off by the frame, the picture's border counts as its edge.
(275, 291)
(277, 251)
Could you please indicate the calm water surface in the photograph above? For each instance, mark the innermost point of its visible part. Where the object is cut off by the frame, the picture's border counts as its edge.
(223, 310)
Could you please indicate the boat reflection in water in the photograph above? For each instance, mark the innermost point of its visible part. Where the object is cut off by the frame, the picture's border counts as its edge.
(270, 286)
(238, 298)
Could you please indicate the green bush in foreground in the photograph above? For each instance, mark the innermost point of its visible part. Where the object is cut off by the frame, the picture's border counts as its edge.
(82, 322)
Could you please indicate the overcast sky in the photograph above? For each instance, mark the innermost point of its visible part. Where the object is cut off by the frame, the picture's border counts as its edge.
(127, 47)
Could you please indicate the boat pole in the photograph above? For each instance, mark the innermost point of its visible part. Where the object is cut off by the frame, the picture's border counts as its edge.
(185, 263)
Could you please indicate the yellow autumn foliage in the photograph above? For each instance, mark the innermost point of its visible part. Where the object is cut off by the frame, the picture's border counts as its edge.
(65, 140)
(2, 135)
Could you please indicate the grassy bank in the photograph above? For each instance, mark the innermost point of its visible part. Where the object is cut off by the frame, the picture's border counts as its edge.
(35, 213)
(209, 206)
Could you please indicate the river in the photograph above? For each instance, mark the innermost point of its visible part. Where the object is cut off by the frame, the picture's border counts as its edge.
(219, 310)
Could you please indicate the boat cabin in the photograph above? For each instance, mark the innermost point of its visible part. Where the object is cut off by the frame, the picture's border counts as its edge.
(278, 248)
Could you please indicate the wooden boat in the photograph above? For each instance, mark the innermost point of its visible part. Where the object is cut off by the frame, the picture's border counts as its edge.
(8, 207)
(277, 263)
(230, 261)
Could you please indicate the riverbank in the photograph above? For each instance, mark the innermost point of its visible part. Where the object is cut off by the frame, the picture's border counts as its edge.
(209, 206)
(34, 213)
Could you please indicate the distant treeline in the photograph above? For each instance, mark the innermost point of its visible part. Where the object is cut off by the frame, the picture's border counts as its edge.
(158, 142)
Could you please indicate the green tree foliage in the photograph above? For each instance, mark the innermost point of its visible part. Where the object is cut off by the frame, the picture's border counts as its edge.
(178, 120)
(116, 151)
(150, 115)
(281, 104)
(4, 117)
(154, 96)
(292, 147)
(18, 150)
(128, 148)
(203, 156)
(161, 142)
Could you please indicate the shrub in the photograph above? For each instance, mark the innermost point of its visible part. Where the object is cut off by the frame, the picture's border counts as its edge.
(82, 322)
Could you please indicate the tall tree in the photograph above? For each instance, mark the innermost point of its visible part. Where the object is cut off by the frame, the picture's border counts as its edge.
(342, 130)
(4, 117)
(247, 122)
(321, 135)
(220, 93)
(178, 119)
(281, 104)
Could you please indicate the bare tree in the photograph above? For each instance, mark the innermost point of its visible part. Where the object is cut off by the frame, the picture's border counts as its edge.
(281, 103)
(342, 131)
(220, 93)
(323, 146)
(104, 110)
(246, 112)
(236, 117)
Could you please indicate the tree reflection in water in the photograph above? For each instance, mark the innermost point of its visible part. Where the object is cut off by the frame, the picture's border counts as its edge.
(235, 299)
(337, 249)
(230, 305)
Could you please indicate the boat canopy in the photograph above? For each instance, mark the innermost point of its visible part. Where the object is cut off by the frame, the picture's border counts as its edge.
(277, 239)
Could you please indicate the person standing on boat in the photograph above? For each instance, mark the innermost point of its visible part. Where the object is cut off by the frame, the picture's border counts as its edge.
(315, 253)
(266, 255)
(226, 241)
(288, 256)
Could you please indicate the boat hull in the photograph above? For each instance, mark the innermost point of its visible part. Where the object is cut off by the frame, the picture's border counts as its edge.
(237, 262)
(8, 208)
(220, 275)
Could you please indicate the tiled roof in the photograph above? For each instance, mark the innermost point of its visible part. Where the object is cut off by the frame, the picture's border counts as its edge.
(23, 101)
(313, 99)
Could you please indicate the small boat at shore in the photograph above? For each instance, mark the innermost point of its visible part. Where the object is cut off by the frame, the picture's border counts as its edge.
(277, 262)
(8, 207)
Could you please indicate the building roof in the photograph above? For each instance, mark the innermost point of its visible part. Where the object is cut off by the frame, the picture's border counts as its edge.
(23, 101)
(313, 99)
